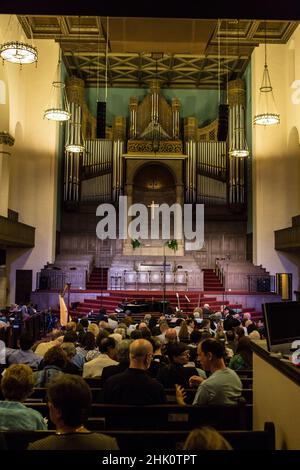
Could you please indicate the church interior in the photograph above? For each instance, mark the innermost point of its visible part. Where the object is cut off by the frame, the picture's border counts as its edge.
(159, 111)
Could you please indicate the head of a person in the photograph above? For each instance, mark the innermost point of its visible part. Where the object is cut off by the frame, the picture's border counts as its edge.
(88, 341)
(179, 353)
(198, 312)
(70, 337)
(140, 353)
(156, 344)
(206, 438)
(163, 326)
(230, 336)
(93, 328)
(69, 400)
(117, 336)
(254, 335)
(183, 333)
(205, 325)
(211, 353)
(71, 325)
(244, 350)
(246, 316)
(239, 332)
(17, 382)
(136, 334)
(108, 346)
(122, 351)
(120, 331)
(84, 322)
(69, 349)
(195, 336)
(55, 357)
(25, 341)
(171, 335)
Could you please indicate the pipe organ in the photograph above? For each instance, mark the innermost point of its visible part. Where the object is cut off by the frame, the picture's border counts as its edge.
(209, 175)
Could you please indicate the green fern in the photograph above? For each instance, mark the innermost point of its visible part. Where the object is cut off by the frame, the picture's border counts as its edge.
(135, 243)
(172, 244)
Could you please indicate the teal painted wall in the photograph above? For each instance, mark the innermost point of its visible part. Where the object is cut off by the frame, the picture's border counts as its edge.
(202, 104)
(247, 78)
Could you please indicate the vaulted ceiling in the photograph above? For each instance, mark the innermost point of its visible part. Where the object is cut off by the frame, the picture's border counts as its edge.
(182, 53)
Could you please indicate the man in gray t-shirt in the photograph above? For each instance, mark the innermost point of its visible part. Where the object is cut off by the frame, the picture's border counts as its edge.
(223, 387)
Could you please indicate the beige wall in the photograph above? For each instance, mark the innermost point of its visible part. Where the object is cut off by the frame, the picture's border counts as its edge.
(33, 161)
(276, 398)
(276, 157)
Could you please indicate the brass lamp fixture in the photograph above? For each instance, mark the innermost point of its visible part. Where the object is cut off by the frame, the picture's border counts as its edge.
(58, 109)
(238, 144)
(18, 52)
(267, 115)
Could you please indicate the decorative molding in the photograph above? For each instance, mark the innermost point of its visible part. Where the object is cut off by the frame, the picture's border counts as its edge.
(185, 64)
(6, 138)
(138, 146)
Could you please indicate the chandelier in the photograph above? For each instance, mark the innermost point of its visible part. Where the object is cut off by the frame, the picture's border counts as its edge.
(18, 52)
(238, 143)
(267, 115)
(58, 109)
(75, 142)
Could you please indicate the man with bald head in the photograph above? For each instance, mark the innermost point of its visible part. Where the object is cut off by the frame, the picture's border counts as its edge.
(134, 386)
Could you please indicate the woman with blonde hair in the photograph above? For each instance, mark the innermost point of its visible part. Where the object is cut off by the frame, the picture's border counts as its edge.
(94, 328)
(206, 438)
(17, 385)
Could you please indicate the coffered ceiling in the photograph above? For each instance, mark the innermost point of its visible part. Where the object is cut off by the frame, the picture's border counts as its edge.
(182, 53)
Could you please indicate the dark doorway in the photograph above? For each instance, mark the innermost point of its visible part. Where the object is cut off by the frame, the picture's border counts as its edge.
(23, 285)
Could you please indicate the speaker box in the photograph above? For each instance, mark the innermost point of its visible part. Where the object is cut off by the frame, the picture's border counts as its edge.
(101, 119)
(223, 121)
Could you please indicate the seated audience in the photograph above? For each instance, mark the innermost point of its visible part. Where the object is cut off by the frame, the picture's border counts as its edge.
(175, 372)
(54, 363)
(88, 343)
(122, 355)
(223, 386)
(243, 356)
(206, 438)
(183, 333)
(55, 338)
(106, 357)
(25, 355)
(71, 367)
(17, 385)
(158, 360)
(69, 401)
(134, 386)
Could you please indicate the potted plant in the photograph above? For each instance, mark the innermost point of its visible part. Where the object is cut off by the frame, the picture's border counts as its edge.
(135, 243)
(172, 244)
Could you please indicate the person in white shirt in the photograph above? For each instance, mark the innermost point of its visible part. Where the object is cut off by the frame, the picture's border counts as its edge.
(106, 357)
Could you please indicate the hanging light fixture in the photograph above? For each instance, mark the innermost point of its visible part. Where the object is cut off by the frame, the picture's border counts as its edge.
(268, 115)
(19, 52)
(238, 144)
(74, 134)
(75, 141)
(59, 107)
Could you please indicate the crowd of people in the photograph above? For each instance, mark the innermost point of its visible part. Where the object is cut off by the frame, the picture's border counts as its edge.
(135, 361)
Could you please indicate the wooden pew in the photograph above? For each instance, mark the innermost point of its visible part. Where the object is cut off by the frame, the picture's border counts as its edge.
(159, 441)
(162, 417)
